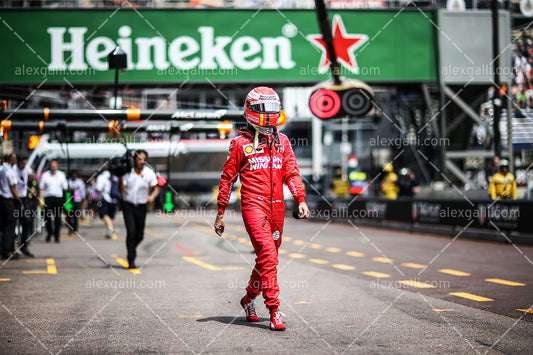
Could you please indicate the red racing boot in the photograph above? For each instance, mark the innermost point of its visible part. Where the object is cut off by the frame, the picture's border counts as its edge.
(249, 309)
(275, 320)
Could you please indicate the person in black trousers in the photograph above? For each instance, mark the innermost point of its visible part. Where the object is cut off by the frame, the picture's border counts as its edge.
(137, 188)
(24, 175)
(52, 185)
(9, 204)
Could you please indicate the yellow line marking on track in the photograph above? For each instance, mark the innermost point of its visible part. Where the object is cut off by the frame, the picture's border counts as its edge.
(319, 261)
(282, 251)
(471, 296)
(5, 280)
(303, 302)
(333, 250)
(414, 266)
(298, 242)
(287, 239)
(231, 236)
(344, 267)
(204, 229)
(242, 240)
(454, 272)
(114, 236)
(236, 227)
(375, 274)
(383, 260)
(50, 267)
(35, 272)
(195, 316)
(126, 265)
(505, 282)
(122, 262)
(66, 236)
(315, 246)
(201, 263)
(444, 310)
(147, 230)
(529, 310)
(52, 270)
(355, 253)
(416, 284)
(296, 256)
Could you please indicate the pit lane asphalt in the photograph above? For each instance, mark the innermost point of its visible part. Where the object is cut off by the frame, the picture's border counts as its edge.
(344, 289)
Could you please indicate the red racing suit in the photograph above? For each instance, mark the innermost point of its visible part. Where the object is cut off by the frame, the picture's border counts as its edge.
(262, 173)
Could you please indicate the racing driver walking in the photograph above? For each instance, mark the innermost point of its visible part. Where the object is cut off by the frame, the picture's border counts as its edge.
(264, 160)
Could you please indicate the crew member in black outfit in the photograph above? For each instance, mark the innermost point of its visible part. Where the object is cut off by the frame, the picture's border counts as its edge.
(137, 188)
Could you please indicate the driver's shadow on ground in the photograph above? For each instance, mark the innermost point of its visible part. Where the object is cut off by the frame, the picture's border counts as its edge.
(238, 321)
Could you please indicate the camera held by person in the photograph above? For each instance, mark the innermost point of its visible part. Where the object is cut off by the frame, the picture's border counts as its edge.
(123, 165)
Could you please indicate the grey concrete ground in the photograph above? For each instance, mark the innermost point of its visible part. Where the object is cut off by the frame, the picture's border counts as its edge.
(344, 289)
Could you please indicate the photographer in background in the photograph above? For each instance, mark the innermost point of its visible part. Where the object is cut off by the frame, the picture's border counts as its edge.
(407, 184)
(138, 187)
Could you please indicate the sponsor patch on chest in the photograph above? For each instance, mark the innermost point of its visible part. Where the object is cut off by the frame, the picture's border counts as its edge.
(249, 149)
(263, 162)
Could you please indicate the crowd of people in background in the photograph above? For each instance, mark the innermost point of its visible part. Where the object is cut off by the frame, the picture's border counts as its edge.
(522, 77)
(391, 185)
(404, 185)
(10, 207)
(56, 199)
(279, 4)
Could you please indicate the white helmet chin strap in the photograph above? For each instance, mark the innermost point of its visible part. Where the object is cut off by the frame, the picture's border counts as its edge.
(267, 131)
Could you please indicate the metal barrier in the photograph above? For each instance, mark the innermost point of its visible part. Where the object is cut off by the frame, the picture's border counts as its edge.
(502, 216)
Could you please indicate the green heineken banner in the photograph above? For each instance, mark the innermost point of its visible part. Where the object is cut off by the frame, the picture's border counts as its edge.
(172, 46)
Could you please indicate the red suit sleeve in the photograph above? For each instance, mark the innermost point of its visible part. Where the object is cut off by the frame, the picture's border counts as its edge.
(229, 175)
(291, 173)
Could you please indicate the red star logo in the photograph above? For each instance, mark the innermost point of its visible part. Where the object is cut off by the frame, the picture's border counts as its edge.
(344, 44)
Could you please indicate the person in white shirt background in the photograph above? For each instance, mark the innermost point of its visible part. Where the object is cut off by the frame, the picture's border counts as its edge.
(9, 202)
(77, 186)
(107, 186)
(52, 184)
(137, 188)
(26, 213)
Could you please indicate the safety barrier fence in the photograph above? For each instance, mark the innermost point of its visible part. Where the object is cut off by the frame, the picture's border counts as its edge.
(505, 216)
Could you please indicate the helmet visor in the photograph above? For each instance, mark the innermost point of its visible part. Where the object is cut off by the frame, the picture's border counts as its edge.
(264, 107)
